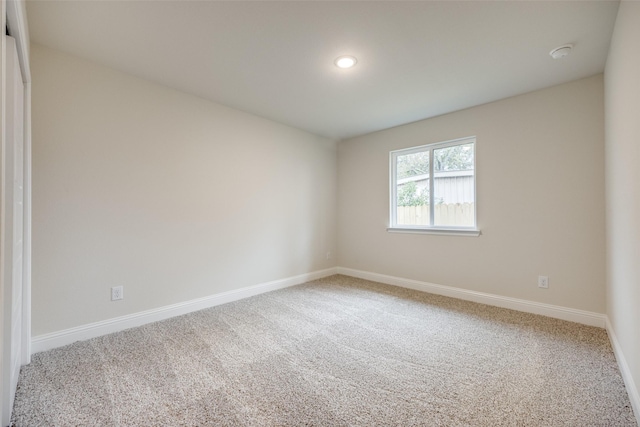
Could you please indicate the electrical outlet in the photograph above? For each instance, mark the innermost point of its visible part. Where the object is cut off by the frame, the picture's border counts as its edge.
(329, 255)
(117, 292)
(543, 282)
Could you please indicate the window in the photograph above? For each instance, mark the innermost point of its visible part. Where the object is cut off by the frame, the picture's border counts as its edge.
(445, 204)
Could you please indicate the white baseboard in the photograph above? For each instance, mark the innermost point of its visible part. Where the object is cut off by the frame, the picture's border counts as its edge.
(92, 330)
(632, 389)
(555, 311)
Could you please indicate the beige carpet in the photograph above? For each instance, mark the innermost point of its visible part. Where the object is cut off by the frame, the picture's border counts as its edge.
(334, 352)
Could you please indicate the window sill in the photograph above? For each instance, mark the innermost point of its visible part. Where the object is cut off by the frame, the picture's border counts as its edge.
(442, 231)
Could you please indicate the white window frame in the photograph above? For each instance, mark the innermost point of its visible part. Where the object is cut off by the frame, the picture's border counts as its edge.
(393, 191)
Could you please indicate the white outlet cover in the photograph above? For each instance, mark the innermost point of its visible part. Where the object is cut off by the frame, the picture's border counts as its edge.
(117, 293)
(543, 282)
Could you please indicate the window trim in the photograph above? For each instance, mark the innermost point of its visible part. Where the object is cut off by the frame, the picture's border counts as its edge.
(393, 191)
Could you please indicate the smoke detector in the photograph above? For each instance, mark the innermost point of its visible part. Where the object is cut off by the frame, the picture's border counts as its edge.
(561, 51)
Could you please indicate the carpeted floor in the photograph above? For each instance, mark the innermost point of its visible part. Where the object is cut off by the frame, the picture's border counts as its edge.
(334, 352)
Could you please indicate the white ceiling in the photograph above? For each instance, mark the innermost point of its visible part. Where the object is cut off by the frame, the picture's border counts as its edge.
(275, 59)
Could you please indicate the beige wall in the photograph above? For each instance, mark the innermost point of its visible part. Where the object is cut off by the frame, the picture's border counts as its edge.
(540, 195)
(167, 194)
(622, 78)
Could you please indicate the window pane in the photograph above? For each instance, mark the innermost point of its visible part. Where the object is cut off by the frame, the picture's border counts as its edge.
(454, 186)
(412, 181)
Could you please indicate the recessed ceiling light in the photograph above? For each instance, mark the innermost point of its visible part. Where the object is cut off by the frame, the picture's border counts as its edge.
(345, 61)
(561, 52)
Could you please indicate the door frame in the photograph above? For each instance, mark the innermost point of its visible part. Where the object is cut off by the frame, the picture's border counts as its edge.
(14, 23)
(18, 29)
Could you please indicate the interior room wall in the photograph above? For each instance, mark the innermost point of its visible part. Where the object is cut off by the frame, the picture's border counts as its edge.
(540, 200)
(622, 112)
(167, 194)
